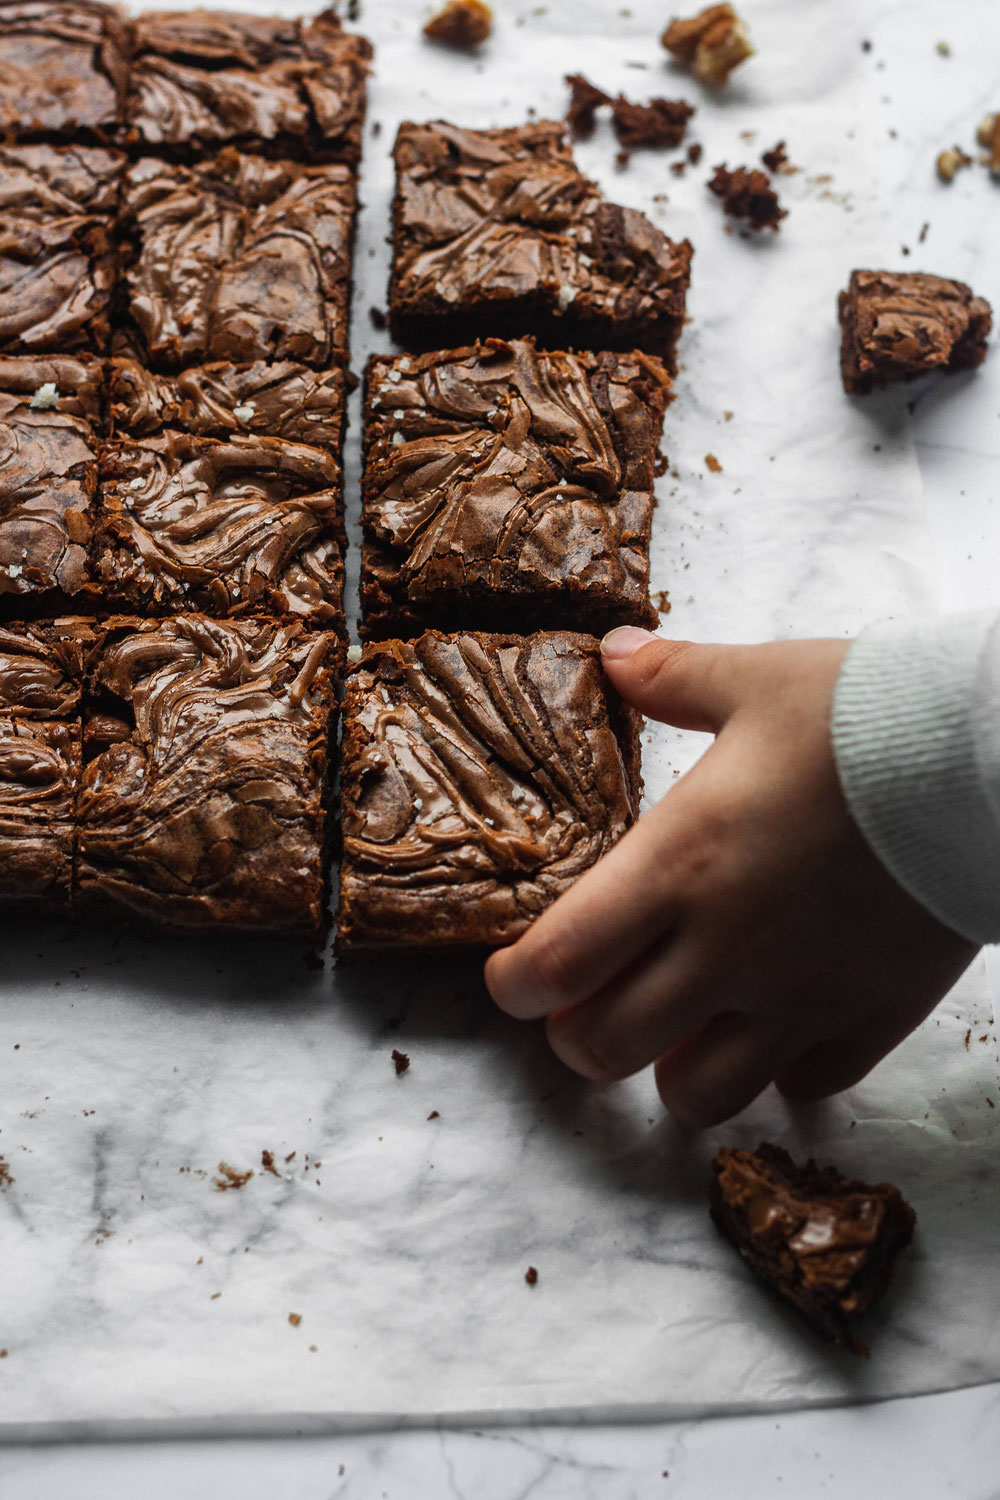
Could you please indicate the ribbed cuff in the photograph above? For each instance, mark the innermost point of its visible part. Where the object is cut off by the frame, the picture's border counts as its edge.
(905, 743)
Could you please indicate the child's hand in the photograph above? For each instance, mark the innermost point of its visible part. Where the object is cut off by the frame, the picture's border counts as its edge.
(743, 931)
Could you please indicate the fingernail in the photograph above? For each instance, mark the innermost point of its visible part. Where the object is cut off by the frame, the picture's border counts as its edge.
(625, 640)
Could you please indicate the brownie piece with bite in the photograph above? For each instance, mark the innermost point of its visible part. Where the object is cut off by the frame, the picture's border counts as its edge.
(240, 258)
(57, 262)
(826, 1243)
(900, 325)
(496, 232)
(63, 69)
(506, 488)
(481, 774)
(205, 786)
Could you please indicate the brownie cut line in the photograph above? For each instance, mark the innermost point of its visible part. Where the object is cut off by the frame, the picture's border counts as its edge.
(508, 488)
(496, 232)
(900, 325)
(481, 774)
(63, 70)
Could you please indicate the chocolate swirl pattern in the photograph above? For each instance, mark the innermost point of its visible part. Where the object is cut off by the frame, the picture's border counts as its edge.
(481, 775)
(62, 68)
(897, 326)
(509, 488)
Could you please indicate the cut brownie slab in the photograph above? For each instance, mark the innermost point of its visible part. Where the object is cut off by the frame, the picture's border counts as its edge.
(480, 776)
(496, 232)
(201, 79)
(240, 258)
(62, 69)
(825, 1242)
(56, 259)
(50, 425)
(204, 794)
(506, 488)
(897, 326)
(245, 526)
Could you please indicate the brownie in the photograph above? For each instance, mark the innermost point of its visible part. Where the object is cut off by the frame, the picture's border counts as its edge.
(496, 232)
(899, 325)
(204, 794)
(240, 258)
(746, 193)
(63, 69)
(280, 400)
(244, 526)
(480, 775)
(50, 431)
(41, 675)
(506, 488)
(56, 257)
(826, 1243)
(201, 79)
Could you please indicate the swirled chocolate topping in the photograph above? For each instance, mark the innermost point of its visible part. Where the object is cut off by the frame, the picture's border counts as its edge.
(900, 326)
(62, 68)
(495, 231)
(204, 790)
(42, 668)
(239, 259)
(480, 775)
(506, 487)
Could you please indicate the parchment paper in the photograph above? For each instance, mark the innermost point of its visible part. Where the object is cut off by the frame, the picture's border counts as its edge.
(141, 1079)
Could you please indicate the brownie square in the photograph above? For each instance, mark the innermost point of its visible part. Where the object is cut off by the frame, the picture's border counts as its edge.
(480, 775)
(897, 326)
(56, 258)
(50, 425)
(201, 79)
(509, 489)
(205, 786)
(245, 526)
(282, 400)
(41, 676)
(239, 259)
(826, 1243)
(63, 69)
(496, 232)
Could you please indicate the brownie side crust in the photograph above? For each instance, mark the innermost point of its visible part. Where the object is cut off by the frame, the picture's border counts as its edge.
(508, 488)
(495, 232)
(898, 326)
(826, 1243)
(63, 70)
(481, 774)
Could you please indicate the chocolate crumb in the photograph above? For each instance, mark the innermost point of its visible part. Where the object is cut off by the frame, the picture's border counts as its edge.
(622, 159)
(434, 1115)
(377, 127)
(746, 193)
(661, 602)
(660, 124)
(531, 1276)
(401, 1060)
(923, 233)
(267, 1162)
(378, 319)
(295, 1319)
(694, 152)
(968, 1038)
(585, 99)
(464, 24)
(989, 1101)
(712, 463)
(6, 1180)
(230, 1178)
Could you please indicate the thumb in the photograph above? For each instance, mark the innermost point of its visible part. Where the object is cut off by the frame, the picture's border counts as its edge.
(680, 683)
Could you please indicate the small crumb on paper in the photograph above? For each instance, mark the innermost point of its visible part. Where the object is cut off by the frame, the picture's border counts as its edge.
(401, 1059)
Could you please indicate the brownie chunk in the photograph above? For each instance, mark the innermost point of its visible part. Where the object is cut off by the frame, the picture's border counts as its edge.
(204, 793)
(746, 193)
(62, 69)
(201, 79)
(897, 326)
(282, 400)
(50, 413)
(240, 259)
(826, 1243)
(247, 526)
(56, 260)
(496, 232)
(480, 775)
(509, 489)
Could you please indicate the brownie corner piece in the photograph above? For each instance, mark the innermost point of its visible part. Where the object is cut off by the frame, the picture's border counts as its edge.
(205, 787)
(826, 1243)
(63, 66)
(509, 488)
(496, 231)
(901, 325)
(481, 774)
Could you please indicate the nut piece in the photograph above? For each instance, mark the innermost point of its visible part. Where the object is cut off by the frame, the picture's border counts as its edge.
(461, 23)
(988, 135)
(712, 43)
(949, 162)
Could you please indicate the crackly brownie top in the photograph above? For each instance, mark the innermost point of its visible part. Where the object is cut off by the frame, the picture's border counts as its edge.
(192, 521)
(284, 400)
(493, 214)
(216, 76)
(41, 668)
(503, 458)
(62, 66)
(480, 776)
(239, 258)
(911, 322)
(38, 183)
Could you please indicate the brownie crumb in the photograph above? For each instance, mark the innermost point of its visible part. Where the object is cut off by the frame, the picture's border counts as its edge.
(267, 1162)
(434, 1115)
(401, 1059)
(776, 160)
(712, 43)
(712, 463)
(660, 123)
(746, 193)
(661, 602)
(531, 1276)
(6, 1180)
(622, 159)
(229, 1178)
(464, 24)
(295, 1319)
(378, 318)
(585, 99)
(694, 153)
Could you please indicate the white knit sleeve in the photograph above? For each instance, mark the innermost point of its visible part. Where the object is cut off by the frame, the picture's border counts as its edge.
(916, 734)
